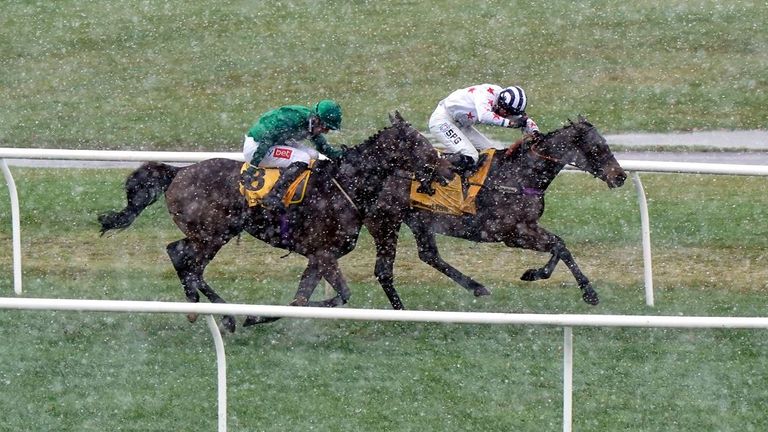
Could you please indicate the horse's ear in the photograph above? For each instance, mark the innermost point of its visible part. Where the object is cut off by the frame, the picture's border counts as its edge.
(583, 120)
(396, 118)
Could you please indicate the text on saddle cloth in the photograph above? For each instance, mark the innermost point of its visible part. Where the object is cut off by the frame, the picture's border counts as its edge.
(264, 180)
(451, 199)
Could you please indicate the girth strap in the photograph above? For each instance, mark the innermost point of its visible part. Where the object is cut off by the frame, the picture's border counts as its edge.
(527, 191)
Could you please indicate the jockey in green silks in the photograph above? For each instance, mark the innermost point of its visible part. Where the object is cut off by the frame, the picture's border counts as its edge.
(275, 141)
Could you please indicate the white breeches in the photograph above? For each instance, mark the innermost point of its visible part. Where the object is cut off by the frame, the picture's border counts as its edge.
(455, 138)
(280, 156)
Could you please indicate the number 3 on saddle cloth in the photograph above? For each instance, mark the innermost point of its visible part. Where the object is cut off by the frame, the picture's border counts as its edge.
(265, 179)
(452, 199)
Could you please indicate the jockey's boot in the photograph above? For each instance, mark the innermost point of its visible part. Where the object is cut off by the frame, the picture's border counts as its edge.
(248, 176)
(274, 198)
(462, 164)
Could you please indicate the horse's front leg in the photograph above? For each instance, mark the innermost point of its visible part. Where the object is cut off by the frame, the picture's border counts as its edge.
(385, 235)
(309, 280)
(329, 269)
(588, 293)
(538, 239)
(543, 272)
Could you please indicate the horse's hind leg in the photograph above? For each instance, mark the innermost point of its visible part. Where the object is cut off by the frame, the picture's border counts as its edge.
(539, 239)
(190, 259)
(429, 253)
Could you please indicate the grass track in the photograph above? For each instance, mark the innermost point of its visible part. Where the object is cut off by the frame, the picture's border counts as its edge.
(80, 372)
(193, 75)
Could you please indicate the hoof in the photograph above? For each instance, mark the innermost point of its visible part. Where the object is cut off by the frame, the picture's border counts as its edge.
(590, 296)
(299, 301)
(531, 275)
(255, 320)
(228, 324)
(481, 291)
(192, 317)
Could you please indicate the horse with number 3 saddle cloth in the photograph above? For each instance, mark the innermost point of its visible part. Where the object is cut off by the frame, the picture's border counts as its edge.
(264, 180)
(458, 196)
(204, 202)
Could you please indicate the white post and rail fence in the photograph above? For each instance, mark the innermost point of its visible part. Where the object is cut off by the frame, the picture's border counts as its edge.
(633, 166)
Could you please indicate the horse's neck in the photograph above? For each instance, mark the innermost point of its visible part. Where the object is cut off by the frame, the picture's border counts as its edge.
(362, 177)
(527, 168)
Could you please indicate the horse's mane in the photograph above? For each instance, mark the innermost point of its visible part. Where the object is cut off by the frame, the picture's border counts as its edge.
(524, 143)
(372, 140)
(581, 120)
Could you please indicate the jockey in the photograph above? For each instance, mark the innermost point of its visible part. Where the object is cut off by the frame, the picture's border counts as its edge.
(453, 121)
(275, 141)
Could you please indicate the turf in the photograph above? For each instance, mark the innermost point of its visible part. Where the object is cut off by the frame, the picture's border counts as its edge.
(95, 371)
(194, 75)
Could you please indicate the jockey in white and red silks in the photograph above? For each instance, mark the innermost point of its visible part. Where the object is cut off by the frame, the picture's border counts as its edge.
(453, 121)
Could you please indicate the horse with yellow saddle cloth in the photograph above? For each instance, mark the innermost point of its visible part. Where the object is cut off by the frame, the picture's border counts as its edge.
(503, 202)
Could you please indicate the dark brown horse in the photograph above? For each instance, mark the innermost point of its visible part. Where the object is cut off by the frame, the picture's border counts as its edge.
(509, 206)
(205, 204)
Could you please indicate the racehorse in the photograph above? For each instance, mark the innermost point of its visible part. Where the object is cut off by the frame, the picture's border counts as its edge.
(509, 205)
(204, 202)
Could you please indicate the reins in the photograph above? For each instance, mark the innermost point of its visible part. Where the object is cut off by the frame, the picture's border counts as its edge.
(533, 150)
(536, 153)
(343, 192)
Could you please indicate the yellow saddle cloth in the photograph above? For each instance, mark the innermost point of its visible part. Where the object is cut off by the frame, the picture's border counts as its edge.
(450, 199)
(264, 180)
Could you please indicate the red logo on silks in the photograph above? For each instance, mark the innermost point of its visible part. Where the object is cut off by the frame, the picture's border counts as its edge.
(282, 153)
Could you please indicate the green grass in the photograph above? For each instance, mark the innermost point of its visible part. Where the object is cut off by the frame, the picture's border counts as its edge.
(68, 371)
(194, 75)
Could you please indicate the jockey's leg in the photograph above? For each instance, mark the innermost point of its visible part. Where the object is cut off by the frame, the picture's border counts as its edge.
(274, 198)
(455, 141)
(463, 163)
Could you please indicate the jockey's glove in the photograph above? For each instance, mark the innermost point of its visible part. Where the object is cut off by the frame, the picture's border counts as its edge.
(518, 123)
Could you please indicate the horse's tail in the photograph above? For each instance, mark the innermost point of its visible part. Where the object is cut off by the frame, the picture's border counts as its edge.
(142, 188)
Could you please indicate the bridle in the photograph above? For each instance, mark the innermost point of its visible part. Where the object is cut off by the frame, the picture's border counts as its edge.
(579, 135)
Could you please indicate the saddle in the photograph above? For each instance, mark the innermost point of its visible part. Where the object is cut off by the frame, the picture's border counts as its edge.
(458, 196)
(264, 180)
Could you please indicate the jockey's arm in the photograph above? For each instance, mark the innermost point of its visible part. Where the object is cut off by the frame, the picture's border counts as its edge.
(321, 144)
(259, 154)
(525, 123)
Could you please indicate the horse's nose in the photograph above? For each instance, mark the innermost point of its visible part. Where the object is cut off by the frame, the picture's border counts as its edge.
(619, 179)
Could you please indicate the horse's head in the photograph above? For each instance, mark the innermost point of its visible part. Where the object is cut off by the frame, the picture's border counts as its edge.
(419, 156)
(581, 145)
